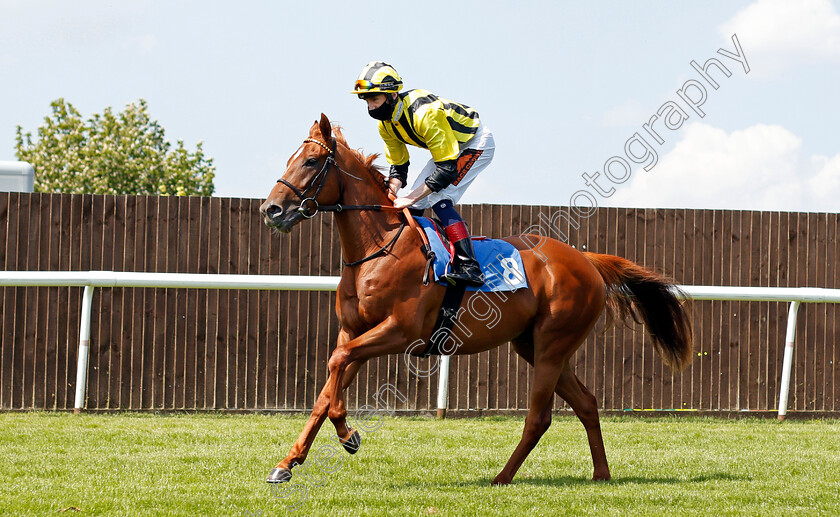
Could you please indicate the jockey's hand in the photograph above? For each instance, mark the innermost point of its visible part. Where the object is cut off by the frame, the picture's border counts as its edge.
(395, 186)
(415, 196)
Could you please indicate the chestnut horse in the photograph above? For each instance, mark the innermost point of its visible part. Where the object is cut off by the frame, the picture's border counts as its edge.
(383, 306)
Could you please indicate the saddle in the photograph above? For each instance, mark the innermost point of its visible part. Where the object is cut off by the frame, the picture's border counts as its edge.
(500, 261)
(501, 264)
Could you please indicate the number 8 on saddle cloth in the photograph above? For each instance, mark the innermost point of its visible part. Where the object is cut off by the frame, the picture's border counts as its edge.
(500, 261)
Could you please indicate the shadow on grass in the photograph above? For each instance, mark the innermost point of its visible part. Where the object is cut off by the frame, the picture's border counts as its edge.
(570, 481)
(627, 480)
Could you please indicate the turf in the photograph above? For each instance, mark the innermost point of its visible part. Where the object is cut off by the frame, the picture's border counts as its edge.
(211, 464)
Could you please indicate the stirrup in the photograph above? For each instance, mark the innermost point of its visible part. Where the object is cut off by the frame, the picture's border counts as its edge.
(468, 274)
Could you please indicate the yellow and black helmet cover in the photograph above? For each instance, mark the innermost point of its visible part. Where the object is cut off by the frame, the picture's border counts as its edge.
(377, 77)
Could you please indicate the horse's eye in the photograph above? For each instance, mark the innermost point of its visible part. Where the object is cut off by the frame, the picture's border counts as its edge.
(310, 162)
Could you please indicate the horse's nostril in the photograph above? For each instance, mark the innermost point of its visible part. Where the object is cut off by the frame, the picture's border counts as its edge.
(274, 211)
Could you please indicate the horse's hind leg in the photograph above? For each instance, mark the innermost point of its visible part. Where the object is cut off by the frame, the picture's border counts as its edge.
(537, 421)
(585, 407)
(581, 401)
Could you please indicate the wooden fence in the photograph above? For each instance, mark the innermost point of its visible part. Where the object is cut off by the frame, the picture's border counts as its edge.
(218, 349)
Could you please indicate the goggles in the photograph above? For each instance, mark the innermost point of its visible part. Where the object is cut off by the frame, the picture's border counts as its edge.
(364, 84)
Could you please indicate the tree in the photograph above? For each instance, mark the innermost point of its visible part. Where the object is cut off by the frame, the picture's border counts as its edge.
(124, 153)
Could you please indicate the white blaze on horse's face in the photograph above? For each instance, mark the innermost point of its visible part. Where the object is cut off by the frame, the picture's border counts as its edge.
(303, 181)
(272, 209)
(280, 209)
(294, 156)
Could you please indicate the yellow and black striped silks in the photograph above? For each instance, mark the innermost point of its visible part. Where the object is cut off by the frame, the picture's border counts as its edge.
(425, 120)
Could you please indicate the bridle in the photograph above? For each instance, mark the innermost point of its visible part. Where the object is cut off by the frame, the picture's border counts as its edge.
(321, 178)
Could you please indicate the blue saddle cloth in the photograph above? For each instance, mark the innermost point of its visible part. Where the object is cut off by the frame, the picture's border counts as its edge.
(500, 261)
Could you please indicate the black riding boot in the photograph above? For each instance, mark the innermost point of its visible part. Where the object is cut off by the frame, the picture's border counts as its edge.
(464, 269)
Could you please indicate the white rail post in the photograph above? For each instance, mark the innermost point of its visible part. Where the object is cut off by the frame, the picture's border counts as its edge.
(790, 337)
(443, 386)
(84, 347)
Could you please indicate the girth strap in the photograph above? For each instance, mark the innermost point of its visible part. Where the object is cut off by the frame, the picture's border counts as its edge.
(452, 299)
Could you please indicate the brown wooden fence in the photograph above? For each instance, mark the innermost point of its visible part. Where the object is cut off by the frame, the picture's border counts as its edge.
(220, 349)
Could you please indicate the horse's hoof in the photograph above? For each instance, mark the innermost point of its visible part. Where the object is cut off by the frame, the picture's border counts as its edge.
(500, 481)
(279, 475)
(353, 443)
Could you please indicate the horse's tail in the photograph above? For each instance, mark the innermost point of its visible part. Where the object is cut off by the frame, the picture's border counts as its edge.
(635, 291)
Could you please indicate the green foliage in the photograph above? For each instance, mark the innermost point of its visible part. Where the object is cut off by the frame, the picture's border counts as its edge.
(122, 153)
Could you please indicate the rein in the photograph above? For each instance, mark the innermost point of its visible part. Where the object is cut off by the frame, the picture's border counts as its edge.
(382, 251)
(308, 213)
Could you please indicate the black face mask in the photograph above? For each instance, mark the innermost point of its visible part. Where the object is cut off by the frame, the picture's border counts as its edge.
(384, 111)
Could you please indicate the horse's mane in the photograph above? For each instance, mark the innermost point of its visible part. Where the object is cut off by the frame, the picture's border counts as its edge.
(375, 171)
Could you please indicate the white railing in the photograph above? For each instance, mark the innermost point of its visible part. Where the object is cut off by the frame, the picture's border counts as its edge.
(794, 295)
(93, 279)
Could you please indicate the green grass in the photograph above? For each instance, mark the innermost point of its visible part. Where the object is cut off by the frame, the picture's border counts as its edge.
(208, 464)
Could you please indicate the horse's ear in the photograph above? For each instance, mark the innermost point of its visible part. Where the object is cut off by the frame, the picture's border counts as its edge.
(326, 129)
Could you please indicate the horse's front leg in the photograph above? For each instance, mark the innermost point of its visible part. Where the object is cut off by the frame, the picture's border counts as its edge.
(348, 437)
(283, 471)
(336, 383)
(385, 338)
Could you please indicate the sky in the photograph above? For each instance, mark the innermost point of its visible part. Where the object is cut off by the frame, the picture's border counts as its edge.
(590, 103)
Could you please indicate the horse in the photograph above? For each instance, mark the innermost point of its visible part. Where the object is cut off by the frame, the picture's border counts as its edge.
(383, 305)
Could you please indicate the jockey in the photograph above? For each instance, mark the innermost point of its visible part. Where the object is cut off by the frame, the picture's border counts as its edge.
(461, 147)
